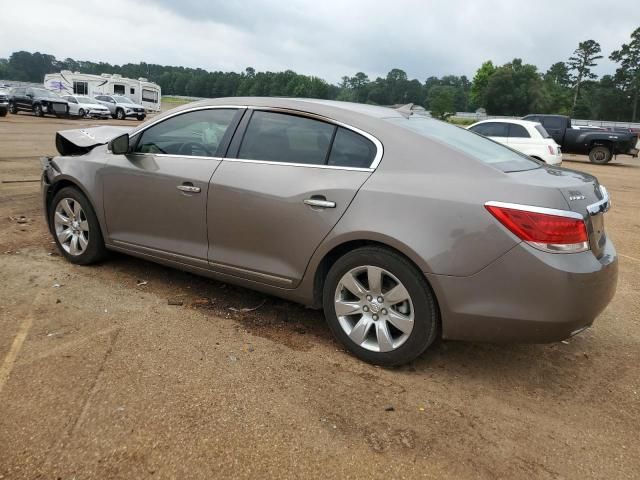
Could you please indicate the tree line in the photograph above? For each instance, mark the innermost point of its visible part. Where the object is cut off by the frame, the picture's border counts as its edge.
(568, 87)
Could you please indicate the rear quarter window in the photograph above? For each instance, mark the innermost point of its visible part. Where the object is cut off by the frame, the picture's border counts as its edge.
(475, 146)
(351, 149)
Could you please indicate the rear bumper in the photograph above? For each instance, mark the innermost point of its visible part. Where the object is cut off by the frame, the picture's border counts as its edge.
(527, 296)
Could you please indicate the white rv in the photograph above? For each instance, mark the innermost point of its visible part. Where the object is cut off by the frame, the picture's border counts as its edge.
(140, 91)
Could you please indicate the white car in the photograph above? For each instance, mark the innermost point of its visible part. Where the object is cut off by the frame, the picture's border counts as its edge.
(83, 106)
(526, 137)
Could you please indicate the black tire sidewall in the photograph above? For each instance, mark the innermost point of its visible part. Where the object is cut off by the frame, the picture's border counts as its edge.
(13, 109)
(81, 113)
(120, 114)
(597, 162)
(426, 321)
(37, 110)
(95, 250)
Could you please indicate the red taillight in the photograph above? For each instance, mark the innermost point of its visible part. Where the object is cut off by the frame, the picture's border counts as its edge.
(556, 231)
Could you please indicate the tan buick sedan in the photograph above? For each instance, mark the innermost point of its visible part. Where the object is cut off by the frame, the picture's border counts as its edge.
(401, 227)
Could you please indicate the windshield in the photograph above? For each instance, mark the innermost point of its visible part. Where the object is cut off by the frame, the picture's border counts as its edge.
(542, 131)
(122, 99)
(472, 144)
(41, 92)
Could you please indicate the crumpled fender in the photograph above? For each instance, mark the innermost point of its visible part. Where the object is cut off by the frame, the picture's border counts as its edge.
(82, 140)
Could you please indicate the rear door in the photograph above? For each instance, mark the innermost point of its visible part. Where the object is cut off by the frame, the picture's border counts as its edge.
(520, 139)
(155, 198)
(285, 184)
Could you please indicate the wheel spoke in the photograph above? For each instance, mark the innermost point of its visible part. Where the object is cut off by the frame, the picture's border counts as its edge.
(396, 295)
(374, 275)
(385, 342)
(347, 308)
(61, 219)
(66, 207)
(77, 209)
(84, 225)
(360, 330)
(73, 245)
(400, 321)
(64, 235)
(353, 285)
(83, 242)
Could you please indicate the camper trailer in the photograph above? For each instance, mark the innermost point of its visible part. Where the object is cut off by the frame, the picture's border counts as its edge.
(140, 91)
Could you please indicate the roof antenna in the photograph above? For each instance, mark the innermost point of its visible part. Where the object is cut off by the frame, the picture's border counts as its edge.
(405, 110)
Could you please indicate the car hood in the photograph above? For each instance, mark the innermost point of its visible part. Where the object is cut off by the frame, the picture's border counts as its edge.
(82, 140)
(97, 106)
(130, 105)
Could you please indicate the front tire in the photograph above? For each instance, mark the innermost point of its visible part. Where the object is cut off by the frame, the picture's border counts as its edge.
(120, 114)
(37, 110)
(12, 108)
(81, 113)
(75, 227)
(600, 155)
(379, 305)
(140, 117)
(3, 112)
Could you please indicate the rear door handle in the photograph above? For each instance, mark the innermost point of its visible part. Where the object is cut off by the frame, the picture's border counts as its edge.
(319, 202)
(188, 188)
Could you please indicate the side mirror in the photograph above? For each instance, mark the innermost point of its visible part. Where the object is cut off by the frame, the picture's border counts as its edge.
(119, 145)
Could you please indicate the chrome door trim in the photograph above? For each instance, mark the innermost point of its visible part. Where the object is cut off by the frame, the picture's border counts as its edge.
(301, 113)
(287, 164)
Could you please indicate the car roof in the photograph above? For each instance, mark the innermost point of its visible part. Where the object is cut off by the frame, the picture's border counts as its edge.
(524, 123)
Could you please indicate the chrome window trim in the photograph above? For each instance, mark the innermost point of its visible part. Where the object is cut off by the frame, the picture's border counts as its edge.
(171, 155)
(301, 113)
(603, 205)
(531, 208)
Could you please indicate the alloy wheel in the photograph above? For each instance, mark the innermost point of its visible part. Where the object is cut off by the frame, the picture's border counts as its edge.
(71, 226)
(374, 308)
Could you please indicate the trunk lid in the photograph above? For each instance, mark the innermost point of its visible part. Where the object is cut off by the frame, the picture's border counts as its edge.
(583, 194)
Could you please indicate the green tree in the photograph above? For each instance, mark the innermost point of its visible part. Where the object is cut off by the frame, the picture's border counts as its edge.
(584, 57)
(629, 72)
(515, 89)
(480, 83)
(442, 101)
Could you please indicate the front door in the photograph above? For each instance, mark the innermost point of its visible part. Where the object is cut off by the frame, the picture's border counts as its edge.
(155, 198)
(270, 207)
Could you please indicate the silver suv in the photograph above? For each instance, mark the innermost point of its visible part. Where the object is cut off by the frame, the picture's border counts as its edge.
(121, 107)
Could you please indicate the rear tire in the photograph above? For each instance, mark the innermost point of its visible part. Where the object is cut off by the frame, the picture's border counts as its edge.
(380, 330)
(3, 112)
(78, 219)
(600, 155)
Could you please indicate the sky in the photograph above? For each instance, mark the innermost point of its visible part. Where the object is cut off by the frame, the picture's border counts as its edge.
(325, 38)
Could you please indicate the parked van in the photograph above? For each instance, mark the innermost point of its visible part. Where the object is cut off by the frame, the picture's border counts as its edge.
(140, 91)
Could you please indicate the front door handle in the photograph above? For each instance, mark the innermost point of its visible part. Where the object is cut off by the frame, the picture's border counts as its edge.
(188, 187)
(319, 202)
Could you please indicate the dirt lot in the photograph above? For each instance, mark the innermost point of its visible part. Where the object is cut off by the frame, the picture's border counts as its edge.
(101, 378)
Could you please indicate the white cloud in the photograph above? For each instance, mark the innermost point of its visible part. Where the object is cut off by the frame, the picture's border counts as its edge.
(329, 39)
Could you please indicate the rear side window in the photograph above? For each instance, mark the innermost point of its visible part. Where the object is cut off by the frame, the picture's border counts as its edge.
(474, 146)
(518, 131)
(541, 130)
(280, 137)
(351, 149)
(552, 122)
(494, 129)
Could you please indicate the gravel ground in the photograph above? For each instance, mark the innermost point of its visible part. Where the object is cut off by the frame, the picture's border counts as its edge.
(101, 377)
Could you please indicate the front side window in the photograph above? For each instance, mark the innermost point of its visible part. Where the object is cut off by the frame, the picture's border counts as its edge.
(474, 146)
(80, 88)
(281, 137)
(351, 149)
(552, 122)
(518, 131)
(196, 133)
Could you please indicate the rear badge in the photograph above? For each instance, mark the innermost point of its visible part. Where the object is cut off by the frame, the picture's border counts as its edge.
(575, 196)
